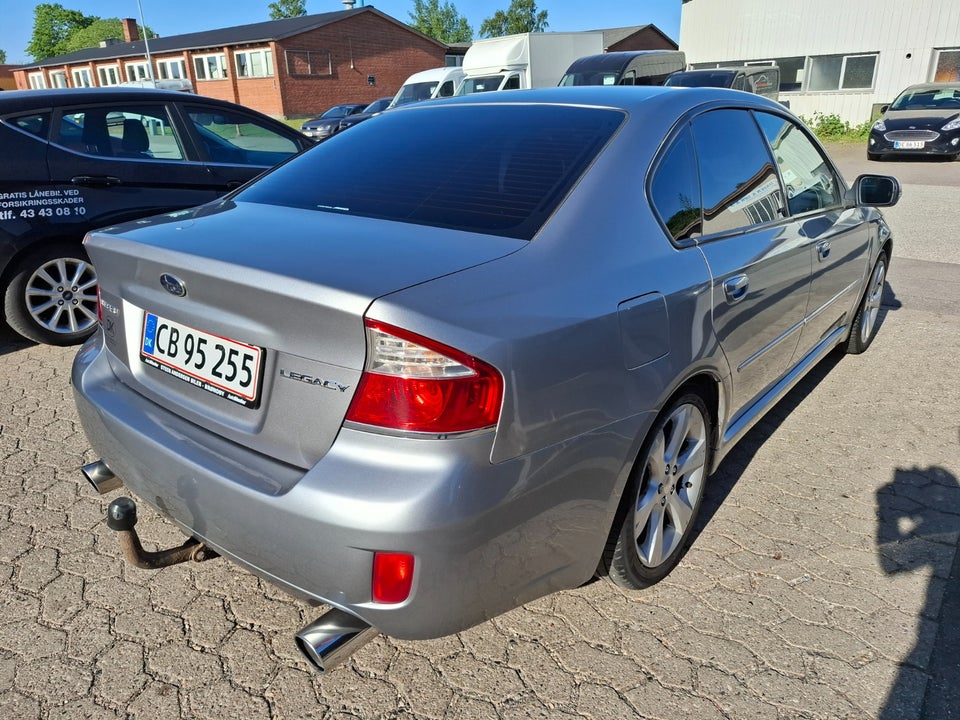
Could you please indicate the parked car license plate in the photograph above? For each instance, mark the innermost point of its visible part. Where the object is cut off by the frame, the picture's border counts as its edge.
(216, 364)
(908, 144)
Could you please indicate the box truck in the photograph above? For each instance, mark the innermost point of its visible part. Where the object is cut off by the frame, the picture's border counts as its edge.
(527, 60)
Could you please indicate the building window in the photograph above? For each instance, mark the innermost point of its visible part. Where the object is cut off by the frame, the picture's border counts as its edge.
(308, 62)
(947, 68)
(210, 67)
(254, 63)
(108, 75)
(81, 77)
(58, 78)
(37, 80)
(137, 71)
(171, 69)
(840, 72)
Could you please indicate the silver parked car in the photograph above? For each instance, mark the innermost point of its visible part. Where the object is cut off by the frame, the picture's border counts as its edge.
(425, 382)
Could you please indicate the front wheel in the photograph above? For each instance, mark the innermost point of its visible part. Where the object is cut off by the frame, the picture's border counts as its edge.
(52, 296)
(663, 496)
(864, 327)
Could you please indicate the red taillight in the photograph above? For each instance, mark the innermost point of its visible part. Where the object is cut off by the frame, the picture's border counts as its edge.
(392, 577)
(414, 384)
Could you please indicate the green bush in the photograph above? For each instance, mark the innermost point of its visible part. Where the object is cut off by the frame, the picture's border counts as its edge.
(832, 128)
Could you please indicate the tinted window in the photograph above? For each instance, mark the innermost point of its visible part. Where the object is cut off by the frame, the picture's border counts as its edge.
(238, 139)
(35, 124)
(493, 169)
(739, 183)
(675, 189)
(807, 177)
(141, 132)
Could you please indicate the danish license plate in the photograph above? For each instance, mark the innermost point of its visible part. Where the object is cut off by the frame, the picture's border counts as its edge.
(216, 364)
(908, 144)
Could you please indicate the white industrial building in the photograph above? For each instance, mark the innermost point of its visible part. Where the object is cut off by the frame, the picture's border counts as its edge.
(842, 57)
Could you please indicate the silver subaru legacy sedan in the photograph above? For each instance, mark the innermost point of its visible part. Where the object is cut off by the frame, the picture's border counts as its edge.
(476, 351)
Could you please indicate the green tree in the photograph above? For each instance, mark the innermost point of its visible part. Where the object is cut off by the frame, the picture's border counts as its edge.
(53, 25)
(99, 29)
(441, 22)
(3, 57)
(522, 16)
(287, 9)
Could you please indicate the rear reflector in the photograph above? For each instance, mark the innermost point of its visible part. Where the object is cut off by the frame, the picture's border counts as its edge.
(415, 384)
(392, 577)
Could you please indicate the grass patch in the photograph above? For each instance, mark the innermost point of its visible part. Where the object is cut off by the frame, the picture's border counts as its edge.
(830, 128)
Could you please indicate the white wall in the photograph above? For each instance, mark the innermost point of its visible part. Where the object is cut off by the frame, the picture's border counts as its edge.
(725, 30)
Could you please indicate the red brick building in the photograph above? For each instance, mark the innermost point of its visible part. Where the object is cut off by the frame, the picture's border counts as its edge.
(292, 67)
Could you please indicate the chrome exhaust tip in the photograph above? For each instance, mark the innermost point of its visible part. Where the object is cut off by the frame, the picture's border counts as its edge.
(101, 478)
(332, 638)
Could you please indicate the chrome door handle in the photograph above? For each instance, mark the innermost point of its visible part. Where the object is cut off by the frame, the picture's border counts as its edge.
(735, 288)
(823, 249)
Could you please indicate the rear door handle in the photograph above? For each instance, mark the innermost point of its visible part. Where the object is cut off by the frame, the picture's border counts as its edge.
(95, 180)
(735, 288)
(823, 249)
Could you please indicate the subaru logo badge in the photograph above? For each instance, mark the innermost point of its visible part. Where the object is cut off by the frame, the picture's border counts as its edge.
(173, 285)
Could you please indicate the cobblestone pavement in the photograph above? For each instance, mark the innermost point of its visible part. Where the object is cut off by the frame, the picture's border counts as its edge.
(823, 584)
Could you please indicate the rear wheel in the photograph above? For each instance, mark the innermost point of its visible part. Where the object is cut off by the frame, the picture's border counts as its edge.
(52, 296)
(865, 321)
(663, 497)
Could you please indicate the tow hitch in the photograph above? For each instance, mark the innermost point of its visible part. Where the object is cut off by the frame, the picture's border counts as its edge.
(122, 517)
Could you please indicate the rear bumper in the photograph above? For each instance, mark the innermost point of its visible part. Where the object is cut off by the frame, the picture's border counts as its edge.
(486, 537)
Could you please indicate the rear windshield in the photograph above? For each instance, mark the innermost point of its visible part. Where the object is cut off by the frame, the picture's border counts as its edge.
(494, 169)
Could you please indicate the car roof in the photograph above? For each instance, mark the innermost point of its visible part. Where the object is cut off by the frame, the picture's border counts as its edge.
(931, 86)
(29, 99)
(630, 98)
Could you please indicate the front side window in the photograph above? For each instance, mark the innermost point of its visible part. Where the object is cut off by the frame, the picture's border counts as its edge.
(210, 67)
(81, 77)
(237, 139)
(254, 63)
(675, 190)
(808, 178)
(739, 183)
(141, 132)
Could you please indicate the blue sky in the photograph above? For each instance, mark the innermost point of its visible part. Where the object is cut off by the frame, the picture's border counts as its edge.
(174, 17)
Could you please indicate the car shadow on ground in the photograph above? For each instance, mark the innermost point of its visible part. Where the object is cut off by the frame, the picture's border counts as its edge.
(11, 342)
(918, 516)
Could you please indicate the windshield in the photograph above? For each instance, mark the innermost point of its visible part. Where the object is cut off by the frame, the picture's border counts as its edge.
(928, 99)
(590, 78)
(721, 78)
(377, 105)
(336, 111)
(415, 92)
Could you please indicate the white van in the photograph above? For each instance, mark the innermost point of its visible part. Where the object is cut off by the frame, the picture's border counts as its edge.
(427, 85)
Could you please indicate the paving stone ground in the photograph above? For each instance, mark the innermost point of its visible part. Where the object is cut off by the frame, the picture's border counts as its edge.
(823, 585)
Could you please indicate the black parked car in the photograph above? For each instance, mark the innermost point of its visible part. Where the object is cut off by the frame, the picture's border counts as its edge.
(374, 108)
(320, 128)
(74, 160)
(923, 120)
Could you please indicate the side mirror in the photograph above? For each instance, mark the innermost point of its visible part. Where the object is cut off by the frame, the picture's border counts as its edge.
(874, 191)
(883, 109)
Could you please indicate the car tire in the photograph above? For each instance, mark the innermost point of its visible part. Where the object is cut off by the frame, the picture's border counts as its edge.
(51, 297)
(662, 499)
(864, 327)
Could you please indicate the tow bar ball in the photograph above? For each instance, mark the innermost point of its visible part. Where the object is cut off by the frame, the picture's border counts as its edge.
(122, 519)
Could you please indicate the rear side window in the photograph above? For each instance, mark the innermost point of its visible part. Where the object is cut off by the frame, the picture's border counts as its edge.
(738, 180)
(495, 169)
(35, 124)
(675, 190)
(138, 132)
